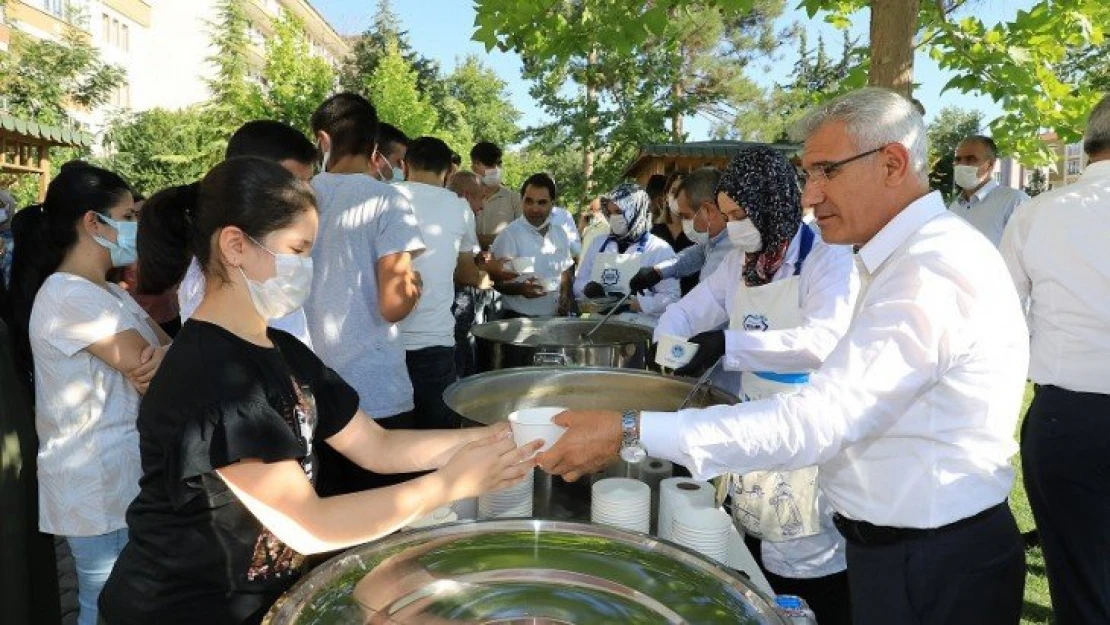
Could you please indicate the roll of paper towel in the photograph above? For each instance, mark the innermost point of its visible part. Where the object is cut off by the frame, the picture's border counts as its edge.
(676, 492)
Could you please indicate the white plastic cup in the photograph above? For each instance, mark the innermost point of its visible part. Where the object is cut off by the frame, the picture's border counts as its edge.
(524, 264)
(529, 424)
(674, 352)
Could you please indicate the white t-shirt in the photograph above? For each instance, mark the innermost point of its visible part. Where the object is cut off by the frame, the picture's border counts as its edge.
(191, 291)
(552, 255)
(85, 411)
(447, 227)
(361, 221)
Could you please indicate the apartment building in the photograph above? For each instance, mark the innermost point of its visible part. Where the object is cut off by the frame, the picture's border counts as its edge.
(163, 46)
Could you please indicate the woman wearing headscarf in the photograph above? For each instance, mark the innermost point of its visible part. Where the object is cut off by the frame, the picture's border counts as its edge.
(610, 261)
(786, 299)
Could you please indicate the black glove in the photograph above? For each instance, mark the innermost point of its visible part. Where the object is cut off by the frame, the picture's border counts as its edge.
(711, 346)
(644, 280)
(593, 289)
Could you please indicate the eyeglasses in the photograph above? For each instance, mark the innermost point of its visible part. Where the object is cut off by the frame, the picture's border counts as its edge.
(820, 172)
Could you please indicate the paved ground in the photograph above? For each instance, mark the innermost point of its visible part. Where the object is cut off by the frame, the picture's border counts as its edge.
(67, 582)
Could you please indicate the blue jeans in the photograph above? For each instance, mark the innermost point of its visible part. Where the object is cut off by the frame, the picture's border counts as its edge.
(94, 556)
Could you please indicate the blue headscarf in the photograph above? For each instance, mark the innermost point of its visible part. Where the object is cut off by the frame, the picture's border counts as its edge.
(635, 205)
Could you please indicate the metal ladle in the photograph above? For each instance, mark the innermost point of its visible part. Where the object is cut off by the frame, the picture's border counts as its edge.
(586, 336)
(700, 383)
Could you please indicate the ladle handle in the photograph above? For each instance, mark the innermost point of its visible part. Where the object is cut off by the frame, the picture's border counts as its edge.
(700, 383)
(608, 314)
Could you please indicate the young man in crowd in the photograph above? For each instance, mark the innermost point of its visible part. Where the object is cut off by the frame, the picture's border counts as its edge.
(447, 227)
(363, 280)
(500, 205)
(388, 163)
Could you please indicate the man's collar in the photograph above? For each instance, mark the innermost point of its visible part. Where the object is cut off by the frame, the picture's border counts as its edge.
(721, 236)
(982, 193)
(908, 221)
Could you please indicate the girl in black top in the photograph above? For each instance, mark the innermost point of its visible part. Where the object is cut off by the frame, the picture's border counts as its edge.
(227, 510)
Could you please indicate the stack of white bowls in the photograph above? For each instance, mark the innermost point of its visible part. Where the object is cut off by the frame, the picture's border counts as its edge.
(439, 516)
(677, 493)
(705, 530)
(512, 502)
(622, 503)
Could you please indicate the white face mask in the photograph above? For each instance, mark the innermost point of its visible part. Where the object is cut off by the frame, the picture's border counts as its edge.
(492, 177)
(744, 236)
(398, 174)
(698, 238)
(326, 157)
(286, 291)
(672, 204)
(966, 176)
(618, 225)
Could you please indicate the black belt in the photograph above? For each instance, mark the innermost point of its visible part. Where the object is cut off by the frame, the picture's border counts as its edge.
(864, 533)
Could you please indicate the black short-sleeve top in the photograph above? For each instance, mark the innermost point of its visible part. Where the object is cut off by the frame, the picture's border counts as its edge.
(194, 548)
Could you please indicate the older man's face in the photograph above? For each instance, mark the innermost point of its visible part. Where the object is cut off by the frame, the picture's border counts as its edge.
(847, 203)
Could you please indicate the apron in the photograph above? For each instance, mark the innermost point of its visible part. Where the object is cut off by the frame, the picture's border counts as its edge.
(774, 506)
(613, 271)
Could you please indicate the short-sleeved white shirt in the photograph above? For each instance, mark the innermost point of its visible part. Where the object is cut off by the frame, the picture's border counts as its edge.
(447, 227)
(85, 411)
(552, 254)
(191, 291)
(362, 220)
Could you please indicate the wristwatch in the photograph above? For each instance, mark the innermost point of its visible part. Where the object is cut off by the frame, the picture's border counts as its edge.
(632, 450)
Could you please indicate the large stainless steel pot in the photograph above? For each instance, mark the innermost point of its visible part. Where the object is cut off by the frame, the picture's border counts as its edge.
(488, 398)
(534, 572)
(558, 341)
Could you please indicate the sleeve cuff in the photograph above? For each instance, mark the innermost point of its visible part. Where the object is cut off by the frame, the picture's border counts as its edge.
(666, 268)
(660, 433)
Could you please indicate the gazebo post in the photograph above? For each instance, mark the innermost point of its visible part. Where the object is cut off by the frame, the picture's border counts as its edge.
(44, 170)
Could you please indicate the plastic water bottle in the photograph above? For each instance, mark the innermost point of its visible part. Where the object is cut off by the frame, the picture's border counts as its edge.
(795, 609)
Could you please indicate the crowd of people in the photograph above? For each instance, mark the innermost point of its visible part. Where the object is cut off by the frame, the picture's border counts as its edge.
(237, 376)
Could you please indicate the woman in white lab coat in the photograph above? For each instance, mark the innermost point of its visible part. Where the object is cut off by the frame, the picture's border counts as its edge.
(774, 310)
(610, 261)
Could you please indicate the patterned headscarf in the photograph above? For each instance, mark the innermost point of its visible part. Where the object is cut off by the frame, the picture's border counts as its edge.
(765, 184)
(636, 207)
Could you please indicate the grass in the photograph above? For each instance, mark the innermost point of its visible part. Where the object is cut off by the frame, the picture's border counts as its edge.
(1038, 609)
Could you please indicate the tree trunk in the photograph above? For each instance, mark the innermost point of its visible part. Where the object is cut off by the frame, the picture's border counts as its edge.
(676, 117)
(588, 143)
(893, 26)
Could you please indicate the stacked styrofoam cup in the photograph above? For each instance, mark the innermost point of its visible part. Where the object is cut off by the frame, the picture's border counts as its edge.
(680, 492)
(512, 502)
(705, 530)
(623, 503)
(439, 516)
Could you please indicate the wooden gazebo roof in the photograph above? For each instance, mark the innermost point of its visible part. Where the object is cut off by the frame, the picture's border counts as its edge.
(25, 147)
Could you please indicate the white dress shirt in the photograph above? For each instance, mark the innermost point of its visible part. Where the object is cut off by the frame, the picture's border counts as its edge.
(828, 285)
(989, 209)
(561, 217)
(1058, 250)
(655, 251)
(911, 417)
(551, 251)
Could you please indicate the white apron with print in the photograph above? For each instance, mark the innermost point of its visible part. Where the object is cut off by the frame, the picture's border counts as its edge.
(773, 506)
(613, 271)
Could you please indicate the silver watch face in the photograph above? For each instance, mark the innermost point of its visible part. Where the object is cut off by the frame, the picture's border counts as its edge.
(633, 453)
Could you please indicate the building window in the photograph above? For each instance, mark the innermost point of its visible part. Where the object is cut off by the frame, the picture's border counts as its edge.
(1073, 166)
(1074, 149)
(125, 39)
(55, 7)
(105, 28)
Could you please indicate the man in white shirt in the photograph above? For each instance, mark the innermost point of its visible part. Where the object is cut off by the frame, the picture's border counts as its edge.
(786, 299)
(911, 416)
(543, 288)
(447, 227)
(363, 281)
(983, 202)
(287, 146)
(703, 223)
(1057, 247)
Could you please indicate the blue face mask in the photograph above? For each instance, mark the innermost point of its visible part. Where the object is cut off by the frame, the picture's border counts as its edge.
(123, 251)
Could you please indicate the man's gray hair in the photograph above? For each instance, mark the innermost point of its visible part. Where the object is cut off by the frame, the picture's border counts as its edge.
(1096, 139)
(875, 117)
(700, 186)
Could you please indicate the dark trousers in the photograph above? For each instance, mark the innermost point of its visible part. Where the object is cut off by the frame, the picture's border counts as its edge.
(472, 306)
(1065, 459)
(339, 476)
(432, 370)
(973, 574)
(827, 596)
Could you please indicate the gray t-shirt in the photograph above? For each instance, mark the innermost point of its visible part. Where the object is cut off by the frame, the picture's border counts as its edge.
(361, 221)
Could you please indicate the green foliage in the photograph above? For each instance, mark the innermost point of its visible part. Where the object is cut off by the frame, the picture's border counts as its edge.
(41, 79)
(393, 91)
(371, 47)
(231, 94)
(1038, 183)
(485, 102)
(159, 148)
(951, 125)
(294, 81)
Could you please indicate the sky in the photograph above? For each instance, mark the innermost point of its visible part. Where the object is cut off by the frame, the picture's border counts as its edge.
(441, 29)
